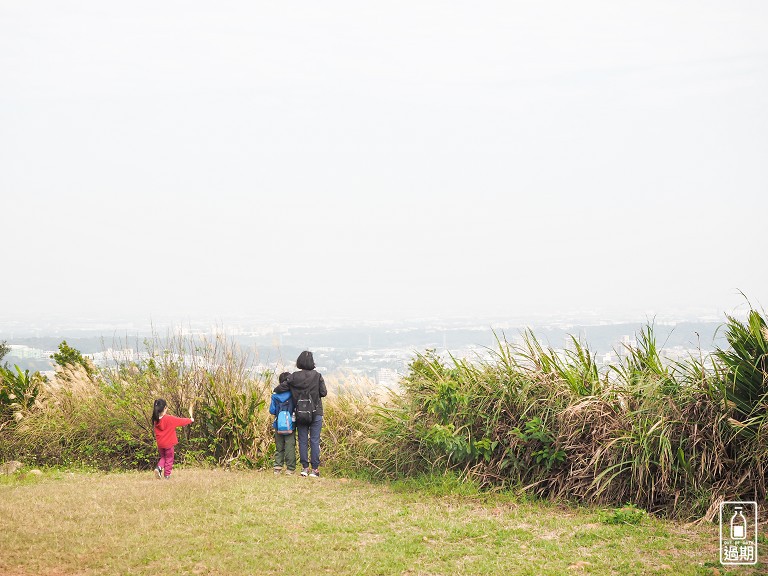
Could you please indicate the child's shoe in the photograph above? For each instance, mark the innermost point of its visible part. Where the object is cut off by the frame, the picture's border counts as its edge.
(159, 472)
(289, 472)
(315, 473)
(305, 472)
(167, 477)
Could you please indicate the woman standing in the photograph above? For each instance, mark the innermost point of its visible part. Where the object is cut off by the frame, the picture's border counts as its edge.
(307, 389)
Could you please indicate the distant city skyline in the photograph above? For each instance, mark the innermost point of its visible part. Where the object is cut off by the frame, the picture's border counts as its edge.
(373, 352)
(187, 162)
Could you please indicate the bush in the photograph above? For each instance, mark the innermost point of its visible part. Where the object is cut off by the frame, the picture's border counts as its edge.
(18, 392)
(69, 356)
(660, 435)
(102, 418)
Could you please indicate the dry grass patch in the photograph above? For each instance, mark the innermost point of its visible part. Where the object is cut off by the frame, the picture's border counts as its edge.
(236, 523)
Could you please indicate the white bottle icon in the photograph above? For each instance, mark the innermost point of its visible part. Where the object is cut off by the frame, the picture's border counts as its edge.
(738, 525)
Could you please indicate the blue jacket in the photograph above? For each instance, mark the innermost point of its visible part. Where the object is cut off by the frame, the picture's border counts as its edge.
(278, 399)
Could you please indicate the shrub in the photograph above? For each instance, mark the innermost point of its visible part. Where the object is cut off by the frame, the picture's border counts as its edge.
(103, 418)
(745, 370)
(69, 356)
(18, 392)
(658, 434)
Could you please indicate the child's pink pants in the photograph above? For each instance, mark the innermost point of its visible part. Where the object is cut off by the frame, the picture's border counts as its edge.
(166, 460)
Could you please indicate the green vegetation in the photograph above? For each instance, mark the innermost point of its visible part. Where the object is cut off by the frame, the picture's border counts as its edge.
(669, 438)
(101, 418)
(245, 522)
(745, 365)
(68, 356)
(629, 514)
(18, 392)
(663, 436)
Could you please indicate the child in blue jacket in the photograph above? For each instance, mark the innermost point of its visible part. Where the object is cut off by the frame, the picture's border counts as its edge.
(285, 444)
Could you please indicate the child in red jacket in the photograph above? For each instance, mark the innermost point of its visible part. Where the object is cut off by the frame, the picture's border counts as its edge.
(165, 434)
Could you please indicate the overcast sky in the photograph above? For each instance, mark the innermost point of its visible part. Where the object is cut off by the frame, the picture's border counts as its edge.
(382, 159)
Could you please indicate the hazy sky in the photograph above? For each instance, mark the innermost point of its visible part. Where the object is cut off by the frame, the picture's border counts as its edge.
(382, 159)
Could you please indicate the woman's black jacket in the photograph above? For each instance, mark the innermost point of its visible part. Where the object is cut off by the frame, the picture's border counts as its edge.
(302, 380)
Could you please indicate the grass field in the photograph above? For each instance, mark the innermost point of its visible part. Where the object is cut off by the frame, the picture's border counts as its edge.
(218, 522)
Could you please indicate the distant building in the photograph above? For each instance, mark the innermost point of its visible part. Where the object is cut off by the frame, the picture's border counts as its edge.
(387, 377)
(27, 353)
(626, 344)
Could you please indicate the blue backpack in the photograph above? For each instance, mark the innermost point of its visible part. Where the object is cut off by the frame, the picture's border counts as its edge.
(284, 417)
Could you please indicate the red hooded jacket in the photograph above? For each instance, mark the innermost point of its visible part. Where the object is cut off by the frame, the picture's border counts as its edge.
(165, 430)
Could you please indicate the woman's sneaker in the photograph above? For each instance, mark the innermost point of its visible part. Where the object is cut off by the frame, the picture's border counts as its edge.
(277, 470)
(158, 472)
(315, 473)
(289, 472)
(305, 472)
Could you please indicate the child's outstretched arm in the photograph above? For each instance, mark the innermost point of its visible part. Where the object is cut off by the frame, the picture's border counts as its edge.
(174, 421)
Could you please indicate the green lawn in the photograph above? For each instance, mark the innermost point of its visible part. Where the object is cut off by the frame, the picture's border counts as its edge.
(219, 522)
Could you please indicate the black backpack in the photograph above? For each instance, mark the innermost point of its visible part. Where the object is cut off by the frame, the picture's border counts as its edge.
(305, 408)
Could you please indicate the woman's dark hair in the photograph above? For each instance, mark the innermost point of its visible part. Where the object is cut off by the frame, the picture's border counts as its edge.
(305, 361)
(160, 405)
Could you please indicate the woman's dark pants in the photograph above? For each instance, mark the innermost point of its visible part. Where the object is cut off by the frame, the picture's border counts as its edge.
(314, 441)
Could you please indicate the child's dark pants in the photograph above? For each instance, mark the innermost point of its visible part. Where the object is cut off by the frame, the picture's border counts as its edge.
(285, 450)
